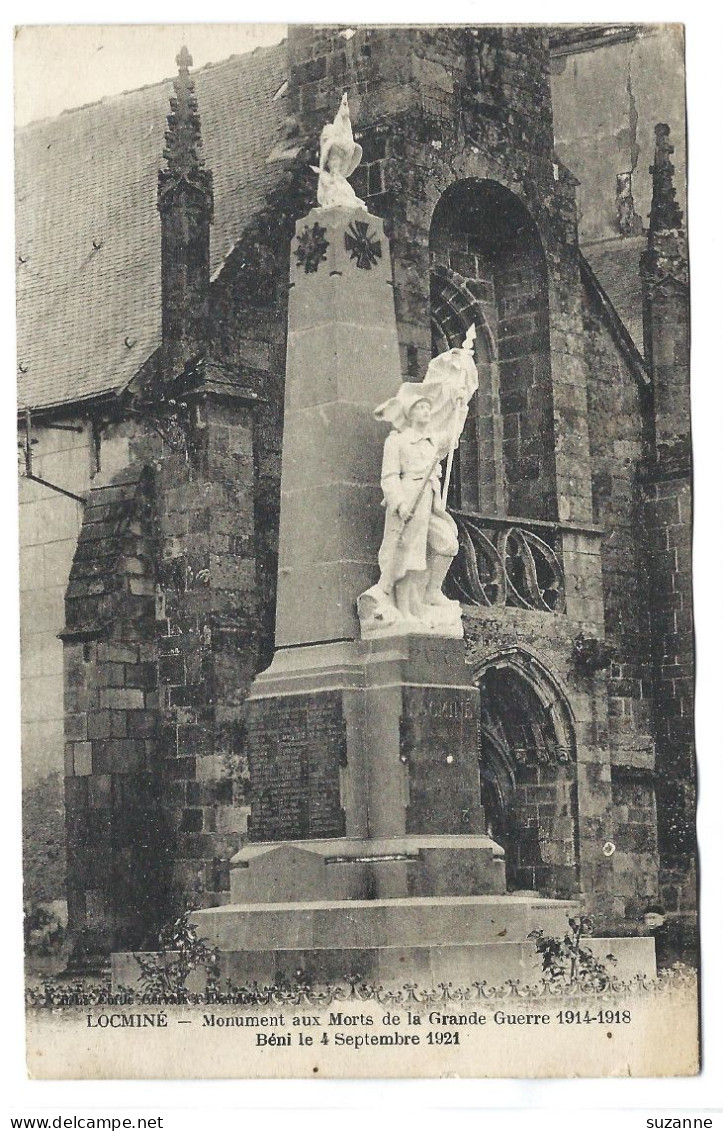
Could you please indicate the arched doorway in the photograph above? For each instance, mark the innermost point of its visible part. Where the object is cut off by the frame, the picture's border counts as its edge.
(528, 776)
(488, 266)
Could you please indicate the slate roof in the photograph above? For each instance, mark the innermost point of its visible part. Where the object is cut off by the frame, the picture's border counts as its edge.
(89, 316)
(616, 264)
(112, 555)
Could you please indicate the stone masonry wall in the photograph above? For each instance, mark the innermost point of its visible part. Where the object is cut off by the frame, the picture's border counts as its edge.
(668, 519)
(65, 452)
(212, 606)
(206, 637)
(618, 451)
(116, 839)
(668, 512)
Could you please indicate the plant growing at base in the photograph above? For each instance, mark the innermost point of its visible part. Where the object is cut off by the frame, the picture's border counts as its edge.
(165, 975)
(567, 961)
(44, 934)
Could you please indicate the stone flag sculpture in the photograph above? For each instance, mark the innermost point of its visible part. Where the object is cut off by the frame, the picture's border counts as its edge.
(420, 537)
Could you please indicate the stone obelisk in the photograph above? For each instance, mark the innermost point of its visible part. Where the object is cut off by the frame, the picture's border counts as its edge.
(363, 739)
(342, 359)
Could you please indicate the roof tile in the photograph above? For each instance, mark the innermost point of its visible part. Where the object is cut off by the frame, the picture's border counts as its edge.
(88, 232)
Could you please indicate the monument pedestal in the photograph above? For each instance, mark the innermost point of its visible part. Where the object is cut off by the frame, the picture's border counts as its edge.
(379, 741)
(373, 740)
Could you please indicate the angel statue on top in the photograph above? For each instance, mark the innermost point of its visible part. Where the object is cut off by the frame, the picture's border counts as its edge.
(339, 156)
(420, 537)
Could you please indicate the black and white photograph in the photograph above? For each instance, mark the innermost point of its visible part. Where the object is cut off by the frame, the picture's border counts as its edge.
(356, 619)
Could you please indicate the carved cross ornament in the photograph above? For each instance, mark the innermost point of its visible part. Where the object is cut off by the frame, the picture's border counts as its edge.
(366, 248)
(311, 248)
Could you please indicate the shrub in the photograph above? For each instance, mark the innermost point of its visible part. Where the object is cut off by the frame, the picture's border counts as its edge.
(566, 960)
(165, 975)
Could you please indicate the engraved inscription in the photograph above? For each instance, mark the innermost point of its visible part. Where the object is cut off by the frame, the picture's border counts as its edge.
(439, 744)
(453, 708)
(296, 747)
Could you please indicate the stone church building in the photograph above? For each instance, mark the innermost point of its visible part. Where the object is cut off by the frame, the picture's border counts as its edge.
(526, 183)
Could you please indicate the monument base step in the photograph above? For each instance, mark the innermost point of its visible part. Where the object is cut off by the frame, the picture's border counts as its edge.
(455, 939)
(427, 966)
(459, 939)
(389, 966)
(373, 923)
(379, 868)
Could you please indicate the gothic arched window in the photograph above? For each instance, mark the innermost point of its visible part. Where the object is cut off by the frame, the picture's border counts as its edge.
(488, 266)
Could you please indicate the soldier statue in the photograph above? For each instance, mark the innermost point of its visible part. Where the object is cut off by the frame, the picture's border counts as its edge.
(420, 537)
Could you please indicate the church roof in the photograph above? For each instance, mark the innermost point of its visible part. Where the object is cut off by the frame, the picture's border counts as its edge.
(616, 264)
(88, 231)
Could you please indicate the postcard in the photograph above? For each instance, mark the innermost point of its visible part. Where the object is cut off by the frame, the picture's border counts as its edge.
(355, 533)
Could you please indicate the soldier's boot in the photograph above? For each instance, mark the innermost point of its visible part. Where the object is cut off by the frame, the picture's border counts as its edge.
(438, 569)
(408, 593)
